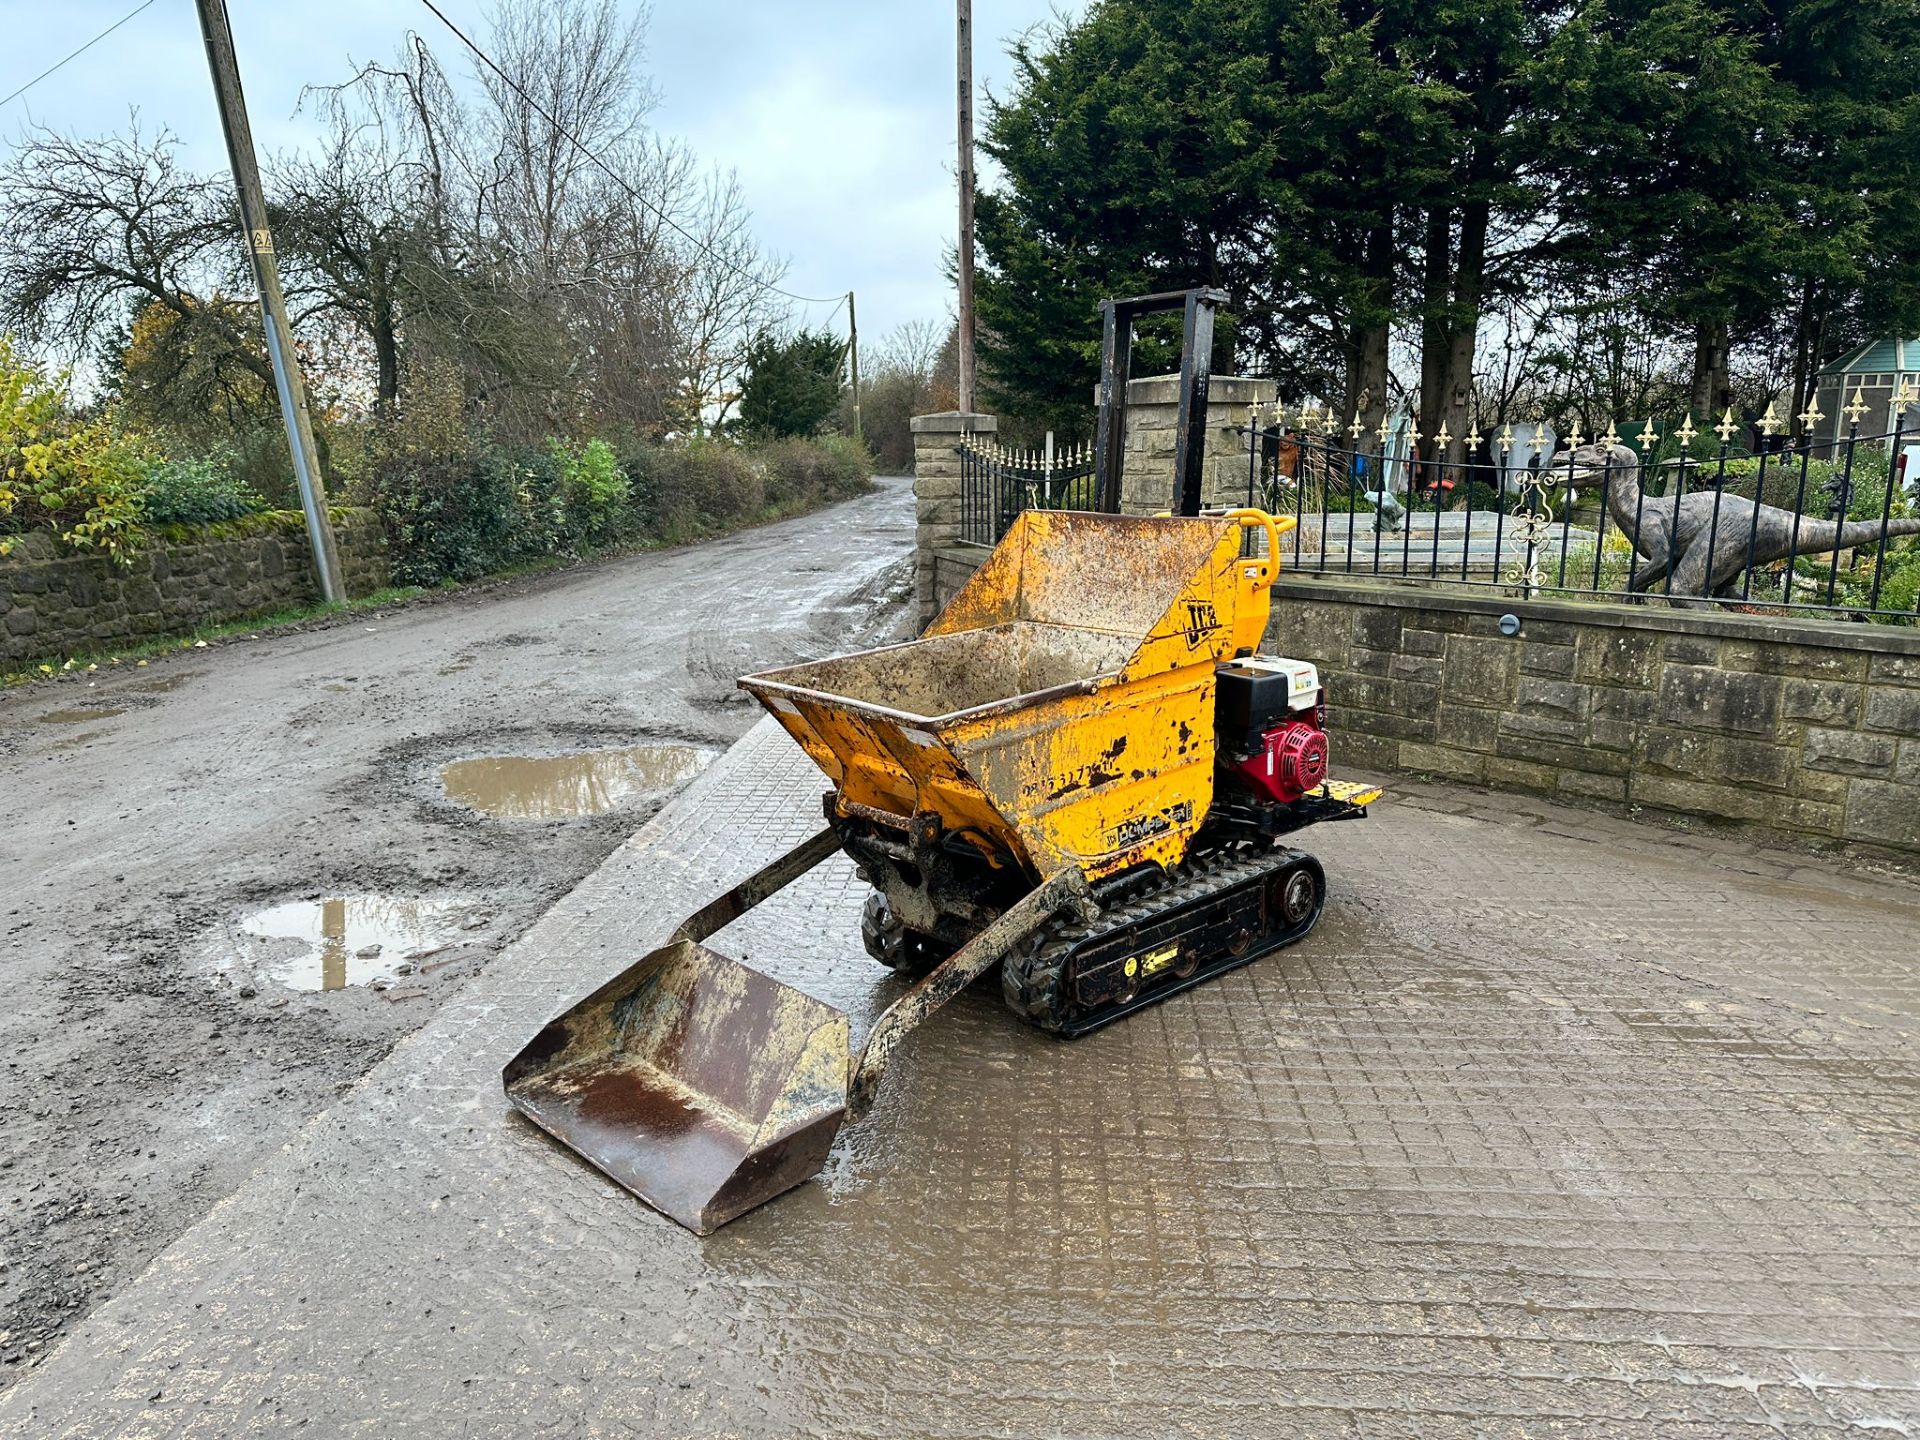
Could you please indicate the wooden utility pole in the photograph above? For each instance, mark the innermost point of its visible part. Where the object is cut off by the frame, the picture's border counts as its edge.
(965, 16)
(853, 354)
(273, 306)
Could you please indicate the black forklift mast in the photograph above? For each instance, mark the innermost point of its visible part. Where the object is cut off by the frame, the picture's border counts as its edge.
(1196, 376)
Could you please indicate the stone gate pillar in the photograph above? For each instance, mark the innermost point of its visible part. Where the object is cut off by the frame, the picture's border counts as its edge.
(936, 493)
(1153, 415)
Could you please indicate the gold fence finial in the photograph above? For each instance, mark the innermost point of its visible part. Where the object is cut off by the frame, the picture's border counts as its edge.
(1811, 416)
(1726, 427)
(1857, 407)
(1649, 437)
(1686, 433)
(1769, 422)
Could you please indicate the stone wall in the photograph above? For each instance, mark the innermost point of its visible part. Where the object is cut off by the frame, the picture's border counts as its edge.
(1802, 726)
(54, 604)
(1153, 421)
(1810, 727)
(936, 493)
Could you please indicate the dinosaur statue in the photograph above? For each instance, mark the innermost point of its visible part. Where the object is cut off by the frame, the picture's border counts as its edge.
(1703, 556)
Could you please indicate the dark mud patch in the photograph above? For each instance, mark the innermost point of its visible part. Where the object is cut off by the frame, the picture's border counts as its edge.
(879, 611)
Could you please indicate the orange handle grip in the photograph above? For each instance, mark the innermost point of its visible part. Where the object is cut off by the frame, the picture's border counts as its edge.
(1248, 519)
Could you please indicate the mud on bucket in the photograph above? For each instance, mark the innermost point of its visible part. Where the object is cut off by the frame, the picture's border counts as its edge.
(702, 1086)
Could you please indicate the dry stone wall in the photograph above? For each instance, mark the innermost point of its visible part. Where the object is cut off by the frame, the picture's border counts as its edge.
(55, 603)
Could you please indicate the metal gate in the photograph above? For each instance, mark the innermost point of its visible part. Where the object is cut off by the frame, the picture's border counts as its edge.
(996, 484)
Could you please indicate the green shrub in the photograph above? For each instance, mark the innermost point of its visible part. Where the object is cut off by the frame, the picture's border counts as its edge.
(1867, 491)
(200, 491)
(796, 471)
(1616, 565)
(644, 469)
(455, 518)
(721, 482)
(800, 472)
(1900, 584)
(1853, 583)
(1476, 495)
(850, 466)
(78, 480)
(259, 460)
(593, 489)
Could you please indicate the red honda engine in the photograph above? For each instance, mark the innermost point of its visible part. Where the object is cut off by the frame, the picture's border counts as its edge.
(1273, 727)
(1292, 761)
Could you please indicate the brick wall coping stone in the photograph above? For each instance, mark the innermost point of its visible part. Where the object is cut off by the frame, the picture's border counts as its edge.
(1221, 390)
(955, 422)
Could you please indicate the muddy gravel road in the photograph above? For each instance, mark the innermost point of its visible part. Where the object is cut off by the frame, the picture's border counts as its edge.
(232, 879)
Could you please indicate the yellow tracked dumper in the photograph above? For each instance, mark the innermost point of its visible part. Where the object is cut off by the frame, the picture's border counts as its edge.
(1082, 773)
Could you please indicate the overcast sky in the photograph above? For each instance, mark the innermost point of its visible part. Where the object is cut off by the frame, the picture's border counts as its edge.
(837, 114)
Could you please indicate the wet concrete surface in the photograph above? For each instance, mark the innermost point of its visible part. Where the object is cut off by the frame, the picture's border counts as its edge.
(1557, 1124)
(144, 1070)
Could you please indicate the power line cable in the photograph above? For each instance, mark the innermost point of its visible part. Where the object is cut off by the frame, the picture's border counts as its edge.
(77, 53)
(614, 175)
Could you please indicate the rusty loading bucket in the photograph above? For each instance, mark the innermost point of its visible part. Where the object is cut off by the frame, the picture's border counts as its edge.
(704, 1087)
(707, 1088)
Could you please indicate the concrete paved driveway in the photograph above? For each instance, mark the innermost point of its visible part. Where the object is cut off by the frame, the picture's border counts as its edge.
(1556, 1125)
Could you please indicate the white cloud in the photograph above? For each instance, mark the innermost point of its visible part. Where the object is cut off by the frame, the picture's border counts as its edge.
(838, 114)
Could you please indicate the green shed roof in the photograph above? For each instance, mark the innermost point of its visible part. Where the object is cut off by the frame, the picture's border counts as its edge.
(1875, 356)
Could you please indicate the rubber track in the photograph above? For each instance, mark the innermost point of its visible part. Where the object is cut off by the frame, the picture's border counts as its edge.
(1033, 980)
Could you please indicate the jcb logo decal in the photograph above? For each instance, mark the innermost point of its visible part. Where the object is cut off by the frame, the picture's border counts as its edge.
(1202, 621)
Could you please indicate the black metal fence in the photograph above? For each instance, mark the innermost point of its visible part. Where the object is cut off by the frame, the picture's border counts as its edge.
(996, 484)
(1814, 521)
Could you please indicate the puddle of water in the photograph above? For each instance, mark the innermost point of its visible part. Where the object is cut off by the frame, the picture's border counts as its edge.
(345, 940)
(80, 715)
(166, 685)
(563, 787)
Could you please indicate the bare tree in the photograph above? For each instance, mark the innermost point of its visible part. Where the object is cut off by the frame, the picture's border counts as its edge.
(529, 235)
(358, 234)
(913, 371)
(568, 92)
(100, 228)
(728, 298)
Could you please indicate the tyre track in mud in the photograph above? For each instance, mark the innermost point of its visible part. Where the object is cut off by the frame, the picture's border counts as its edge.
(138, 1083)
